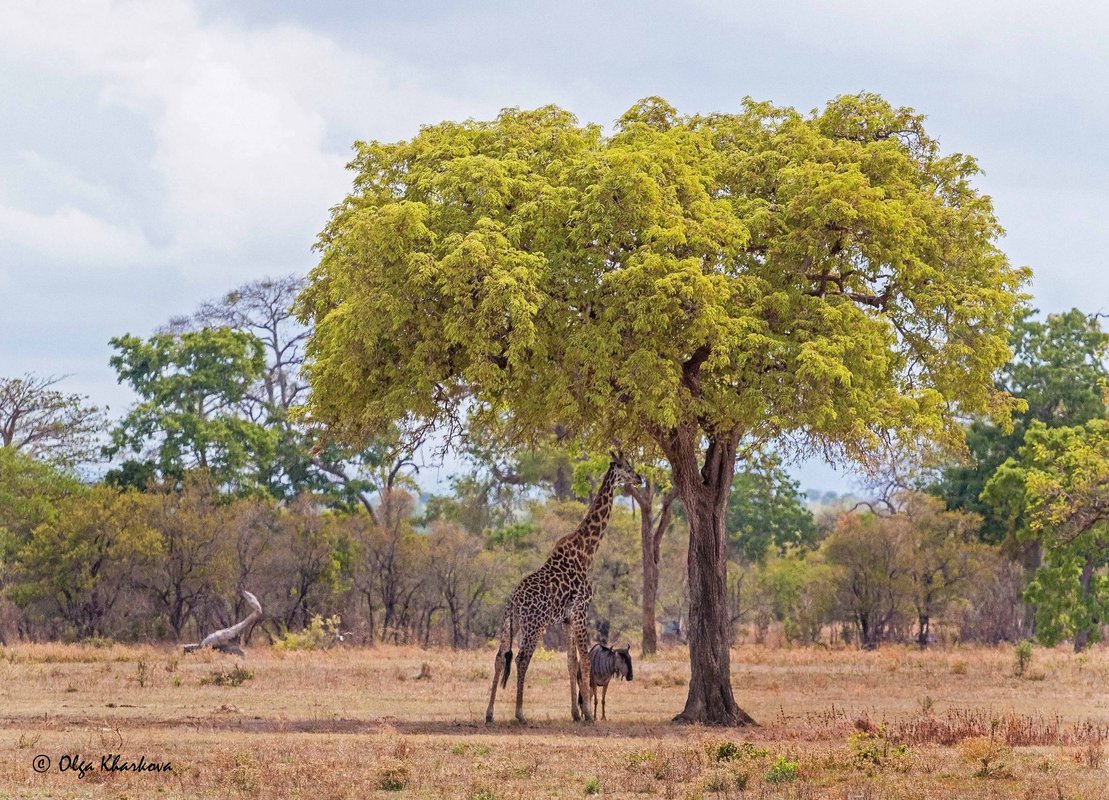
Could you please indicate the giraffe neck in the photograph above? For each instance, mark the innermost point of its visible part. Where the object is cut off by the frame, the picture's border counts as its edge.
(592, 528)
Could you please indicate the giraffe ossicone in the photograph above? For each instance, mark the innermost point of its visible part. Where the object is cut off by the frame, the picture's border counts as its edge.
(559, 591)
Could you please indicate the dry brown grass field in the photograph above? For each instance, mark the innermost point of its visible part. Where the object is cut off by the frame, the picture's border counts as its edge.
(349, 723)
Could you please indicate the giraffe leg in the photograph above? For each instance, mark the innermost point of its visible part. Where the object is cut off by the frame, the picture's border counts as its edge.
(498, 668)
(527, 649)
(572, 668)
(502, 664)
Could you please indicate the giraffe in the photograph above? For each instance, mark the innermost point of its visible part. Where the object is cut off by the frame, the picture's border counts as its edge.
(559, 591)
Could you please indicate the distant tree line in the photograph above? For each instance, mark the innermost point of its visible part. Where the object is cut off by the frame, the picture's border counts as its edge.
(214, 482)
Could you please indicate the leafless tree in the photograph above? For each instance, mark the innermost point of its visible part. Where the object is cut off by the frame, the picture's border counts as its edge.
(39, 420)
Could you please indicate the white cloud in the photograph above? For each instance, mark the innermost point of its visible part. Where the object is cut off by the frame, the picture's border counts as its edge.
(73, 237)
(240, 118)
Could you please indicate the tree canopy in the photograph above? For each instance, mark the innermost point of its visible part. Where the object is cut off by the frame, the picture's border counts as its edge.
(762, 272)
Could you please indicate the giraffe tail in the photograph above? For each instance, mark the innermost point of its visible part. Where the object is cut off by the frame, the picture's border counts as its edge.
(508, 653)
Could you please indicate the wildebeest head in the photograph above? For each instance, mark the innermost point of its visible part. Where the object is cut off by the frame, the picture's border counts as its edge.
(623, 663)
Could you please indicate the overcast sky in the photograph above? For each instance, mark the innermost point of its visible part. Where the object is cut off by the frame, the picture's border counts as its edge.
(157, 154)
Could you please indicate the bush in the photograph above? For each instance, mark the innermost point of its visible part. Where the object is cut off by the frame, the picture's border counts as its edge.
(318, 635)
(782, 771)
(1023, 653)
(236, 676)
(392, 775)
(988, 753)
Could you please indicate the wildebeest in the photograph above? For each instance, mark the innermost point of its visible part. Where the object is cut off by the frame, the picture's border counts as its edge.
(604, 663)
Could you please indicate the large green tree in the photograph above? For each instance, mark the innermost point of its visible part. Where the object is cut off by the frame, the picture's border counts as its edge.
(191, 385)
(689, 286)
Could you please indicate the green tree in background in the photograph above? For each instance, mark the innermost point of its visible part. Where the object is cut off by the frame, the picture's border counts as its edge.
(766, 511)
(1059, 368)
(74, 568)
(692, 286)
(191, 385)
(1058, 488)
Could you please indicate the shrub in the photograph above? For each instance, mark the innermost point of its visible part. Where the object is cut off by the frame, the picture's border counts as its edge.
(782, 771)
(873, 751)
(236, 676)
(1023, 653)
(988, 753)
(318, 635)
(730, 751)
(592, 786)
(392, 775)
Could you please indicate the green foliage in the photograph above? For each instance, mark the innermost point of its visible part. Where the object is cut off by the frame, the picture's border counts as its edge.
(753, 273)
(30, 494)
(593, 786)
(782, 771)
(1056, 489)
(191, 384)
(76, 565)
(873, 751)
(1059, 370)
(1022, 653)
(766, 511)
(319, 634)
(730, 751)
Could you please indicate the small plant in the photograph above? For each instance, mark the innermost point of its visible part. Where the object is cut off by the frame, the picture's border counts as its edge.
(482, 793)
(873, 751)
(393, 775)
(782, 771)
(988, 753)
(1022, 652)
(236, 676)
(319, 634)
(592, 786)
(1093, 756)
(959, 667)
(459, 748)
(730, 751)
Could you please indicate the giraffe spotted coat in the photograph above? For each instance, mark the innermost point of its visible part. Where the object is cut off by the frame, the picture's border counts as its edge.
(558, 592)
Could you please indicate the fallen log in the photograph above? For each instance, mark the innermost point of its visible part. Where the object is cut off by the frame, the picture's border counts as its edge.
(223, 639)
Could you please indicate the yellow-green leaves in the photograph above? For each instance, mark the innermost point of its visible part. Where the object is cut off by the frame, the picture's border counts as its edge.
(758, 273)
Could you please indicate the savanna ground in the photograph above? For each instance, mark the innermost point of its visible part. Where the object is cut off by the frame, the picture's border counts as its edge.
(897, 723)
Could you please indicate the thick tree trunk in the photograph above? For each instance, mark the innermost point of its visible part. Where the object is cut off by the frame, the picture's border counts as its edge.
(923, 629)
(704, 495)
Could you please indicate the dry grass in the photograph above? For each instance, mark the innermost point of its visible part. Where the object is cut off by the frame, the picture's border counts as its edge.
(898, 723)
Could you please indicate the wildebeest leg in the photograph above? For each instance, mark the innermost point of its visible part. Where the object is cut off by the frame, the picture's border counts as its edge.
(604, 694)
(572, 668)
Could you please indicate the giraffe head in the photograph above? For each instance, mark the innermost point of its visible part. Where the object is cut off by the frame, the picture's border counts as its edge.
(622, 473)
